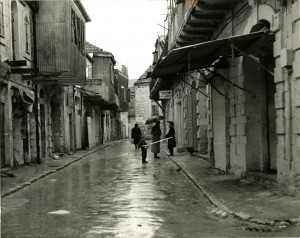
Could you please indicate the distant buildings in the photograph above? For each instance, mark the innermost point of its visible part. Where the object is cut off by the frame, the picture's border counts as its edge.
(141, 106)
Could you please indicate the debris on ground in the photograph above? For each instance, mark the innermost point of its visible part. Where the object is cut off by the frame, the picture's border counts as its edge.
(8, 174)
(55, 157)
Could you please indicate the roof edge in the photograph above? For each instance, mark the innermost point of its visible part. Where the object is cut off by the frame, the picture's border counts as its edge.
(83, 11)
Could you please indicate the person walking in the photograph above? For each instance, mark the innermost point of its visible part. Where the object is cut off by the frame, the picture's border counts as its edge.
(143, 145)
(171, 135)
(156, 133)
(136, 135)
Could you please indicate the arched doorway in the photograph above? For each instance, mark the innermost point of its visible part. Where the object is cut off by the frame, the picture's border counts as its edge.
(260, 110)
(56, 126)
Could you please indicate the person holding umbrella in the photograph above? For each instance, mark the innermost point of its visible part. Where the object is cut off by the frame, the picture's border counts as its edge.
(156, 133)
(171, 136)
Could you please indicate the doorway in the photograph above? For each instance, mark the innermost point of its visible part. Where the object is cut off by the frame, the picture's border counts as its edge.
(2, 145)
(71, 132)
(261, 117)
(271, 162)
(43, 131)
(56, 125)
(191, 119)
(220, 124)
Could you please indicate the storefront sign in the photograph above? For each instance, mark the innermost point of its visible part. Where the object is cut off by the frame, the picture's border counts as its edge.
(165, 94)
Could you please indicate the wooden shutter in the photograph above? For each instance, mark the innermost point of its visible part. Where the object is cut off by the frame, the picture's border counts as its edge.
(189, 121)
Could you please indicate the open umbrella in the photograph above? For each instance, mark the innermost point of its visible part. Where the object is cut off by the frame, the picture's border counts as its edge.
(153, 119)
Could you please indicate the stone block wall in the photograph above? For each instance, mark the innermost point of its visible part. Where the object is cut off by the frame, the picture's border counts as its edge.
(142, 101)
(295, 95)
(287, 99)
(143, 106)
(237, 128)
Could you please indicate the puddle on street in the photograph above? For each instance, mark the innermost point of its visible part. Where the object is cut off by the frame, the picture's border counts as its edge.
(59, 212)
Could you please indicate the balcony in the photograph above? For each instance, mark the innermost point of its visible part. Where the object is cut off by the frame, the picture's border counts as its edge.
(192, 23)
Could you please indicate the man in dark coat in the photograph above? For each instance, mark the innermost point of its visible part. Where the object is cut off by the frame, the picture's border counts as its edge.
(136, 135)
(156, 133)
(171, 135)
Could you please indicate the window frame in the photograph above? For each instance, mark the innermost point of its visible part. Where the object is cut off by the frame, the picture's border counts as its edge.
(154, 110)
(2, 32)
(27, 34)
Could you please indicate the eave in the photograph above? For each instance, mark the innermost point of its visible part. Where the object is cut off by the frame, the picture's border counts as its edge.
(83, 11)
(204, 18)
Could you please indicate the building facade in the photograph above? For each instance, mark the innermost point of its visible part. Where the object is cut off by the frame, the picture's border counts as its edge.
(142, 107)
(233, 71)
(17, 94)
(41, 62)
(105, 98)
(121, 74)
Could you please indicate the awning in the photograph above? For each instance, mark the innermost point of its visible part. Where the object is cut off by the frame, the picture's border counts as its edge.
(27, 97)
(202, 55)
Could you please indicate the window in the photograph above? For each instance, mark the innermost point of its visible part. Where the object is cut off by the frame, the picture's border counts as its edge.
(154, 110)
(73, 27)
(1, 19)
(27, 34)
(125, 95)
(78, 31)
(82, 37)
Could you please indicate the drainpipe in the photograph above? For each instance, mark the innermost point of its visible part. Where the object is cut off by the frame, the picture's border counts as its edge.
(37, 123)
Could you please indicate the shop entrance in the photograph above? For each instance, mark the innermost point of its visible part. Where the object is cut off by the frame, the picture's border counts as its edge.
(2, 145)
(56, 125)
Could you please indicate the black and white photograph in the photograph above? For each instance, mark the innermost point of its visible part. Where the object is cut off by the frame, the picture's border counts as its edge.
(150, 118)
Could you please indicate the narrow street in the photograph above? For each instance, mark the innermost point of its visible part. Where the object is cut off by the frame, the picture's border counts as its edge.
(112, 194)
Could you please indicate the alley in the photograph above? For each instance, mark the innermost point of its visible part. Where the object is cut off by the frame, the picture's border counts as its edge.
(111, 194)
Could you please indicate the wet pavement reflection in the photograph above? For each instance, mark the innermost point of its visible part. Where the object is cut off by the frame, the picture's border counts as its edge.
(112, 194)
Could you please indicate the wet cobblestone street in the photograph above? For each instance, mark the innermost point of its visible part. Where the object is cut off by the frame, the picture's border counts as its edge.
(112, 194)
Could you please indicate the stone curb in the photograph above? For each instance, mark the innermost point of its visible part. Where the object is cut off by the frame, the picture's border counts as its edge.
(222, 210)
(26, 184)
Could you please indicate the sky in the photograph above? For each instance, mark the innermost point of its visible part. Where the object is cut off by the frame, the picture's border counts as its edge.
(126, 28)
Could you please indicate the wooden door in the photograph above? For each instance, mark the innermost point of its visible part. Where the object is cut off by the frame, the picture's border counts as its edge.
(2, 145)
(43, 131)
(194, 119)
(189, 121)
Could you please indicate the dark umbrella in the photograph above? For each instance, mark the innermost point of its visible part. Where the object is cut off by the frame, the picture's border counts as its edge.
(153, 119)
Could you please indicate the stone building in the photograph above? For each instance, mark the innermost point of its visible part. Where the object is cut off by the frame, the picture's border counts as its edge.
(17, 116)
(105, 98)
(144, 107)
(233, 69)
(121, 74)
(41, 62)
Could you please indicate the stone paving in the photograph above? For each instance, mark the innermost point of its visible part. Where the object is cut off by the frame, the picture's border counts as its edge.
(229, 195)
